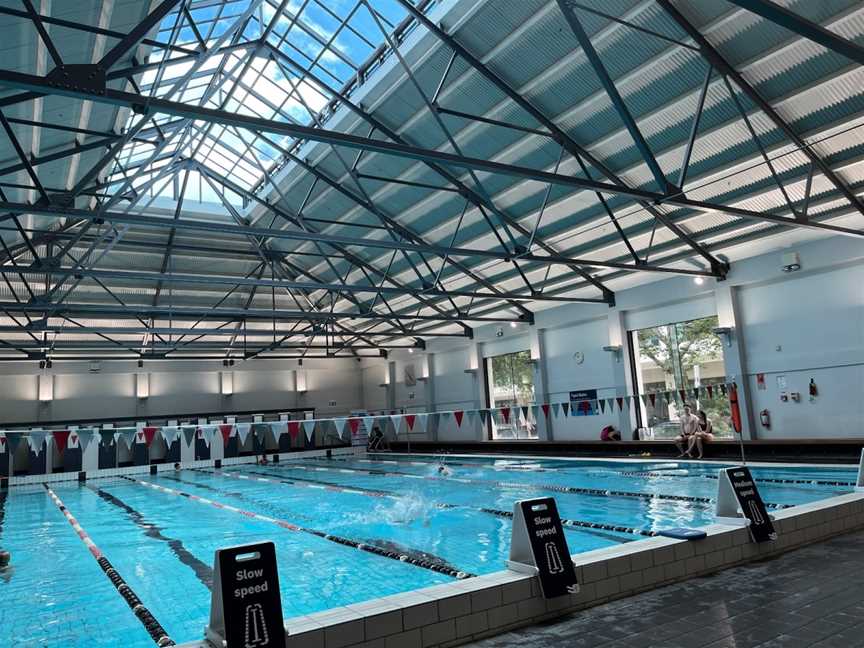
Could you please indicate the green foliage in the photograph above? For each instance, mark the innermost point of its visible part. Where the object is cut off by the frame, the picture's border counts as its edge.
(692, 342)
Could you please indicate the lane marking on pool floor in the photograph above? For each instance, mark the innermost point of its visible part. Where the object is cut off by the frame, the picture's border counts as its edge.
(295, 481)
(202, 570)
(290, 526)
(153, 627)
(599, 492)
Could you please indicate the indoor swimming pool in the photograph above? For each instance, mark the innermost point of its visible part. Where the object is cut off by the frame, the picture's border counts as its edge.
(346, 530)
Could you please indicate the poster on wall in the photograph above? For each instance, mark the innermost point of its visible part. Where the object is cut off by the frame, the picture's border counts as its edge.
(410, 375)
(584, 402)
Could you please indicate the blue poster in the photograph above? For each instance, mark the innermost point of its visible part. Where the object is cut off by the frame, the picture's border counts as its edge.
(583, 403)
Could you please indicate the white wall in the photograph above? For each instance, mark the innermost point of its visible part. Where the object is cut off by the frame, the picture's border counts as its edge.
(815, 316)
(178, 388)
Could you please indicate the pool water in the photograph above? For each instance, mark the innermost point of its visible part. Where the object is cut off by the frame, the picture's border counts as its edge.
(350, 522)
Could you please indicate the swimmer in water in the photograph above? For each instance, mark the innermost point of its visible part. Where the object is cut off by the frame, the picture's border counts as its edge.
(444, 471)
(5, 568)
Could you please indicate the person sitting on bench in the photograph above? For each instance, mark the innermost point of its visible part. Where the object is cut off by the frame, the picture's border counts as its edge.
(704, 434)
(689, 424)
(376, 439)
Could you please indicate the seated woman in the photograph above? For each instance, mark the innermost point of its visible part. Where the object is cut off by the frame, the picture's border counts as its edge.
(609, 433)
(704, 434)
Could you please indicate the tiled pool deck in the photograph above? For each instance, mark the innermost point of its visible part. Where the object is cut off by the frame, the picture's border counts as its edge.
(463, 611)
(809, 597)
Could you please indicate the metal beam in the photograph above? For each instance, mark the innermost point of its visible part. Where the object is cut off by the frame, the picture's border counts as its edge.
(133, 38)
(803, 27)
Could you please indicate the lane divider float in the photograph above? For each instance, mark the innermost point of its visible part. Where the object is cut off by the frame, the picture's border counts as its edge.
(370, 548)
(153, 627)
(294, 481)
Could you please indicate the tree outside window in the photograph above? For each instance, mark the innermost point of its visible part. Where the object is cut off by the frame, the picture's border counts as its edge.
(511, 384)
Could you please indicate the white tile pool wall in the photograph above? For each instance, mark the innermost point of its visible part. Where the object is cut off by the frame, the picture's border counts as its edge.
(462, 611)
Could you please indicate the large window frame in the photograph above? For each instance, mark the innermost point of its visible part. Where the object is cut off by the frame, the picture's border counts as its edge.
(522, 394)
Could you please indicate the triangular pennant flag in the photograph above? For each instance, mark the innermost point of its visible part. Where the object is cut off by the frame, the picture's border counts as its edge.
(13, 441)
(293, 429)
(243, 430)
(556, 409)
(421, 420)
(710, 391)
(620, 403)
(226, 430)
(341, 427)
(458, 416)
(505, 414)
(188, 435)
(695, 392)
(535, 411)
(396, 419)
(149, 434)
(369, 423)
(545, 407)
(107, 438)
(484, 413)
(627, 400)
(409, 419)
(525, 412)
(723, 389)
(170, 434)
(309, 428)
(85, 438)
(278, 428)
(2, 442)
(61, 438)
(442, 416)
(127, 437)
(602, 406)
(206, 433)
(355, 425)
(565, 407)
(36, 438)
(683, 395)
(74, 441)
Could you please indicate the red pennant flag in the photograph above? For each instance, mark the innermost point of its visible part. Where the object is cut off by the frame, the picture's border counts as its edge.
(652, 398)
(61, 437)
(3, 440)
(505, 414)
(294, 428)
(710, 391)
(458, 416)
(566, 408)
(409, 419)
(226, 432)
(355, 425)
(545, 407)
(620, 403)
(140, 436)
(149, 433)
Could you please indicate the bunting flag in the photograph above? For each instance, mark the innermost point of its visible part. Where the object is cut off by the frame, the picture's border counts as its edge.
(127, 437)
(339, 423)
(149, 433)
(610, 403)
(525, 413)
(61, 438)
(620, 403)
(723, 388)
(710, 391)
(535, 412)
(396, 419)
(36, 439)
(2, 442)
(74, 441)
(293, 429)
(13, 441)
(85, 438)
(683, 394)
(225, 429)
(565, 407)
(189, 435)
(556, 409)
(696, 393)
(170, 434)
(278, 428)
(627, 400)
(369, 422)
(106, 438)
(243, 430)
(409, 419)
(505, 414)
(422, 421)
(483, 414)
(355, 425)
(309, 428)
(667, 396)
(458, 416)
(545, 407)
(206, 433)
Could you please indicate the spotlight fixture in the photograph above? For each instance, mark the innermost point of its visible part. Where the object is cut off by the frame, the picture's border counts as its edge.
(140, 363)
(699, 280)
(410, 350)
(512, 324)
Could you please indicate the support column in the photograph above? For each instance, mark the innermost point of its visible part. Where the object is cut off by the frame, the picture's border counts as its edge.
(734, 356)
(541, 381)
(621, 374)
(427, 371)
(475, 368)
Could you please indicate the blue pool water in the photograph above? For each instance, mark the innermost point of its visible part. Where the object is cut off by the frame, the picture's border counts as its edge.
(162, 544)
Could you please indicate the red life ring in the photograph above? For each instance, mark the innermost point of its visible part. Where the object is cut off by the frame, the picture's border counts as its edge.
(735, 410)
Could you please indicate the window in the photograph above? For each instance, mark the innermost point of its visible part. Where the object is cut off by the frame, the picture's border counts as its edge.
(679, 356)
(510, 383)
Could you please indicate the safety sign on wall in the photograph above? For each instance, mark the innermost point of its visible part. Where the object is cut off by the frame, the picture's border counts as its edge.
(246, 608)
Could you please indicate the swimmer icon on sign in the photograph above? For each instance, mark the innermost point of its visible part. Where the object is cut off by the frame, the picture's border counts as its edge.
(246, 609)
